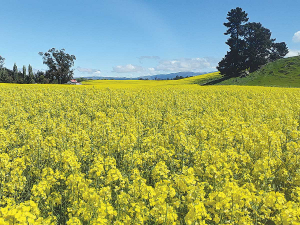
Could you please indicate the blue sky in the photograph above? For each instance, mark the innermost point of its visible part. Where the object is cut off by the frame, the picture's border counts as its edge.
(134, 37)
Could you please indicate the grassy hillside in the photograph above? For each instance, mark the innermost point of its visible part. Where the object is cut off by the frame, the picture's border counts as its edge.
(281, 73)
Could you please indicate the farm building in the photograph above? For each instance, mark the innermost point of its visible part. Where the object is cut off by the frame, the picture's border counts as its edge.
(74, 82)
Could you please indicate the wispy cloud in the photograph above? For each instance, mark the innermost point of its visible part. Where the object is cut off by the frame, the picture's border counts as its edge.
(296, 37)
(88, 71)
(129, 68)
(169, 66)
(142, 58)
(187, 64)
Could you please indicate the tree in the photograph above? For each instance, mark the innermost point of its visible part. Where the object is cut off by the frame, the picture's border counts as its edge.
(251, 45)
(260, 47)
(258, 43)
(30, 75)
(6, 75)
(15, 72)
(1, 70)
(60, 64)
(40, 77)
(24, 73)
(278, 51)
(233, 62)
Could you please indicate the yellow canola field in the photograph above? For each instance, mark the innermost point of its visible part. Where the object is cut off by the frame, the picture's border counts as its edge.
(138, 84)
(154, 154)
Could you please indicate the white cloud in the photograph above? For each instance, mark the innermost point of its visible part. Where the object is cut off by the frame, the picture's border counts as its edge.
(127, 69)
(169, 66)
(88, 70)
(293, 53)
(296, 37)
(187, 65)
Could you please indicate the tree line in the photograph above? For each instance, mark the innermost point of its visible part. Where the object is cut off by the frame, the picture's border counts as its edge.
(59, 70)
(250, 45)
(16, 76)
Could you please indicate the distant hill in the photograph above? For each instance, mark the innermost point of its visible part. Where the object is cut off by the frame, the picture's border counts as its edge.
(171, 75)
(107, 78)
(152, 77)
(281, 73)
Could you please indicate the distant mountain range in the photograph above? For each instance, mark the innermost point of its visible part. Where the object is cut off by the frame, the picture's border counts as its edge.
(152, 77)
(170, 75)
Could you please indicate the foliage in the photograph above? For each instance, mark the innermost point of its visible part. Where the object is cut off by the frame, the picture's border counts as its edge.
(259, 42)
(81, 79)
(6, 75)
(234, 60)
(24, 72)
(15, 76)
(172, 154)
(278, 51)
(179, 77)
(59, 70)
(60, 64)
(250, 45)
(30, 78)
(40, 77)
(15, 72)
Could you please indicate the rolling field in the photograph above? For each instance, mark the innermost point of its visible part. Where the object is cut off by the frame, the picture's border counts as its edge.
(149, 152)
(133, 84)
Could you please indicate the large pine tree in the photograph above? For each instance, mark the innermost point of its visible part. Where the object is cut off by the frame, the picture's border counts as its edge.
(233, 62)
(258, 42)
(260, 47)
(250, 44)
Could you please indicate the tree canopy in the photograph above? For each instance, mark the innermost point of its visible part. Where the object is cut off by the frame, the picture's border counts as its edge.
(15, 71)
(250, 45)
(60, 64)
(235, 58)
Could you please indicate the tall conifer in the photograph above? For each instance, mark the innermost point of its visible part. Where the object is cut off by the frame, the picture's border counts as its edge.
(15, 72)
(233, 62)
(24, 72)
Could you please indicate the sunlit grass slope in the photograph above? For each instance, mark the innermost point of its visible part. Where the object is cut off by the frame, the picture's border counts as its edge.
(201, 79)
(281, 73)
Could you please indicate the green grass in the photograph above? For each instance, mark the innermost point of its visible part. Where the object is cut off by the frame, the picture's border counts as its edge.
(281, 73)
